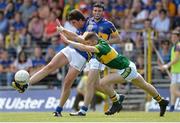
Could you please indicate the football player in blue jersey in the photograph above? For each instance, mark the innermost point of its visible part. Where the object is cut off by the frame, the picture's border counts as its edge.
(105, 29)
(68, 55)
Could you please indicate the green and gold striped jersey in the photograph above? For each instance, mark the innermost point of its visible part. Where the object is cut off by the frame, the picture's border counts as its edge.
(108, 56)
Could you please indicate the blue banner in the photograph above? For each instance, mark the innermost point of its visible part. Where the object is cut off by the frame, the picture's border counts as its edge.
(34, 100)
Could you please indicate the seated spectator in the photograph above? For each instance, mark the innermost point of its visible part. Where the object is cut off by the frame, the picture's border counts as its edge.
(25, 39)
(2, 44)
(155, 12)
(50, 27)
(161, 23)
(3, 23)
(3, 4)
(176, 19)
(6, 75)
(12, 41)
(127, 31)
(38, 61)
(36, 29)
(27, 10)
(17, 23)
(56, 44)
(18, 4)
(9, 10)
(139, 15)
(22, 62)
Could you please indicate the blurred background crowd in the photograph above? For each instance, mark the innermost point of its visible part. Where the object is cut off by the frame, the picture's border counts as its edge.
(28, 36)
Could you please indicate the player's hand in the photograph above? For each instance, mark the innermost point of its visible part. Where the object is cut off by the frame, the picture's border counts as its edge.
(59, 27)
(20, 87)
(164, 67)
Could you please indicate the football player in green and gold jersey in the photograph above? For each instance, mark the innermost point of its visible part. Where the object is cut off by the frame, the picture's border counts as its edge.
(126, 68)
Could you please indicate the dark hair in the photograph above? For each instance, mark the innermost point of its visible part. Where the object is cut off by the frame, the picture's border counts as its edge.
(76, 15)
(163, 11)
(99, 5)
(1, 13)
(91, 35)
(19, 55)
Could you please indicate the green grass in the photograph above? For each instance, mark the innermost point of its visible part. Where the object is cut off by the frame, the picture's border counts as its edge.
(91, 117)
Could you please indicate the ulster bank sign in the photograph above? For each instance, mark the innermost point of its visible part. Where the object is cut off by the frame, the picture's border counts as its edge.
(34, 100)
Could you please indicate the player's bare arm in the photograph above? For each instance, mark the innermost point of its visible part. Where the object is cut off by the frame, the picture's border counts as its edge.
(69, 34)
(79, 46)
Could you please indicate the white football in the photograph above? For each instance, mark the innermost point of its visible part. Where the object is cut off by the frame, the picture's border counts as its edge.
(22, 76)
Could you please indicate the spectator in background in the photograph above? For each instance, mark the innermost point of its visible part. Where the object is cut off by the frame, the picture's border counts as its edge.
(56, 44)
(155, 12)
(175, 71)
(127, 31)
(25, 39)
(2, 43)
(27, 10)
(6, 76)
(22, 62)
(161, 23)
(3, 4)
(9, 11)
(3, 23)
(18, 4)
(140, 64)
(50, 27)
(17, 23)
(12, 41)
(139, 15)
(149, 6)
(176, 19)
(38, 61)
(36, 29)
(165, 53)
(171, 8)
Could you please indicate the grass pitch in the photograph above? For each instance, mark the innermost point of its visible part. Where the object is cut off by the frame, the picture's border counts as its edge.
(90, 117)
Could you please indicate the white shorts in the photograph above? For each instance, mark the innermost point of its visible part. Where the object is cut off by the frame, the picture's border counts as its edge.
(95, 65)
(75, 59)
(129, 73)
(175, 78)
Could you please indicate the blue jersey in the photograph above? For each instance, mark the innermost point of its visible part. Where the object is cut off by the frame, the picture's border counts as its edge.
(86, 55)
(103, 28)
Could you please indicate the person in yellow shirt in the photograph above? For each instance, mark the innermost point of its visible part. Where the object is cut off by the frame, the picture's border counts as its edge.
(175, 68)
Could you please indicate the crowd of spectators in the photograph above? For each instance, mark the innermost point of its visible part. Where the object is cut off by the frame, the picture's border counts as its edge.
(28, 36)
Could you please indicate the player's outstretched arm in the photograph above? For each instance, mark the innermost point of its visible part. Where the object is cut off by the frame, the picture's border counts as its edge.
(79, 46)
(69, 34)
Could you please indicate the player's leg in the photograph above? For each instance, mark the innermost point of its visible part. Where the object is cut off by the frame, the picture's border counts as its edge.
(66, 89)
(77, 63)
(174, 90)
(140, 82)
(106, 83)
(58, 61)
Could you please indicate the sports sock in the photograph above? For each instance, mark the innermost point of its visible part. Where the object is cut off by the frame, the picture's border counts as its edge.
(158, 98)
(59, 109)
(83, 109)
(172, 108)
(115, 98)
